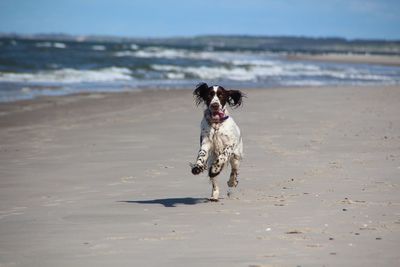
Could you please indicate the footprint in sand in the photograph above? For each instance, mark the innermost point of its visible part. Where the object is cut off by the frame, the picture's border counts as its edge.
(127, 179)
(124, 180)
(57, 202)
(154, 173)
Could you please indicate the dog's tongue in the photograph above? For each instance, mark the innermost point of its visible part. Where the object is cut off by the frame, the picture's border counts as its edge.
(217, 115)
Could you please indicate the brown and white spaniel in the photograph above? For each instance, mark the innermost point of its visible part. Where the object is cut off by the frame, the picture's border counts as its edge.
(220, 139)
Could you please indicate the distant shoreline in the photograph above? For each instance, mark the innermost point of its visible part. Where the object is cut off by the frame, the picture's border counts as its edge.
(273, 43)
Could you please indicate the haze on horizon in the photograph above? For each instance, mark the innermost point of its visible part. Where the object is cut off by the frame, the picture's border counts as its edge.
(352, 19)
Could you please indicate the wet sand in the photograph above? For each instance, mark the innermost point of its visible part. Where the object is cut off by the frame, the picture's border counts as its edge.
(104, 179)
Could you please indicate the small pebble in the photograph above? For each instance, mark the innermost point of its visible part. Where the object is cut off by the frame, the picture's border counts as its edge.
(293, 232)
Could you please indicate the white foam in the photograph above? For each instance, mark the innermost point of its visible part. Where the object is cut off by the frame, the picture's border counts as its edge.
(44, 44)
(153, 52)
(236, 73)
(98, 47)
(175, 76)
(26, 90)
(304, 83)
(254, 62)
(125, 53)
(169, 53)
(59, 45)
(269, 70)
(49, 44)
(70, 76)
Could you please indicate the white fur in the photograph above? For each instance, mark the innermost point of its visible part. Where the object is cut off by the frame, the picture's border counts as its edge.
(215, 98)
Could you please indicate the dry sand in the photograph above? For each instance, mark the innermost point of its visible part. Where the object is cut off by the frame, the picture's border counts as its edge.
(104, 180)
(350, 58)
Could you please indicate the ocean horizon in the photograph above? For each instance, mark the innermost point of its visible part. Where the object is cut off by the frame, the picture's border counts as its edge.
(52, 65)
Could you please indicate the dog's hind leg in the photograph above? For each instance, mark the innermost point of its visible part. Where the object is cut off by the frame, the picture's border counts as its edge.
(215, 189)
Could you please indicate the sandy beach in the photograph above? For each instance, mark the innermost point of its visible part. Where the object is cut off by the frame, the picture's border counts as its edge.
(104, 179)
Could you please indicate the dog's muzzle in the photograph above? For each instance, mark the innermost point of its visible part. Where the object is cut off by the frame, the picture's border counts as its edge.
(214, 106)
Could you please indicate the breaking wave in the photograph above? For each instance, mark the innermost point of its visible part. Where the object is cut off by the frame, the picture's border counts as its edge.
(98, 47)
(259, 72)
(50, 44)
(70, 76)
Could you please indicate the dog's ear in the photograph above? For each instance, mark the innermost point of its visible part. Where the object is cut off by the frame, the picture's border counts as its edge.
(235, 98)
(200, 93)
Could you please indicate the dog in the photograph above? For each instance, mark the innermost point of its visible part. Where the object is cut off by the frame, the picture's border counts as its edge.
(220, 139)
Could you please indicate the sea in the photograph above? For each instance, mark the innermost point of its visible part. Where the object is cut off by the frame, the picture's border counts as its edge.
(37, 66)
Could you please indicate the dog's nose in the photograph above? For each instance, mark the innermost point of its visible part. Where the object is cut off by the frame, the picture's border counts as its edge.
(214, 105)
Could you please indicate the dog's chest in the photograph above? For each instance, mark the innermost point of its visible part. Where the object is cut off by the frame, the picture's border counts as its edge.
(219, 139)
(226, 134)
(223, 136)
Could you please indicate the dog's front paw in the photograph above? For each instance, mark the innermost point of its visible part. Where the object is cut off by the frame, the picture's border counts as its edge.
(197, 169)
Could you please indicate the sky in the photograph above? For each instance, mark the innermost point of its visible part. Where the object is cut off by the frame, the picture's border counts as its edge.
(351, 19)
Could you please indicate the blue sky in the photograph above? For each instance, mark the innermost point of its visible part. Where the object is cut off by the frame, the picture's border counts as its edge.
(159, 18)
